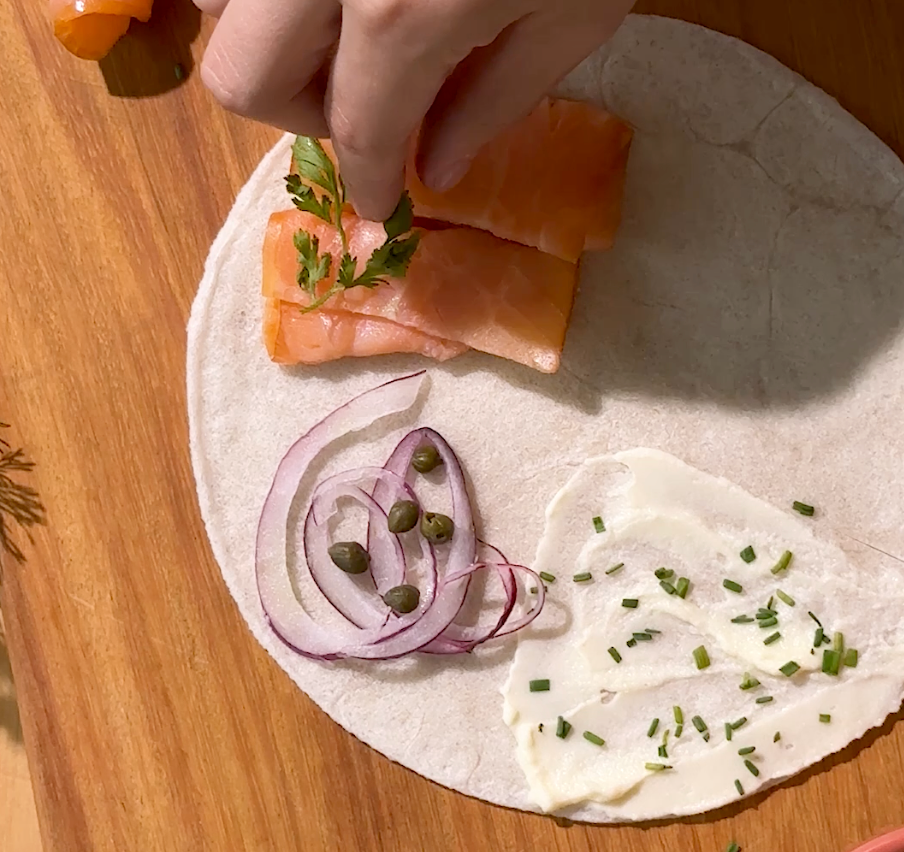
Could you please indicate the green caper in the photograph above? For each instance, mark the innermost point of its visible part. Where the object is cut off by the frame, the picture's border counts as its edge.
(437, 528)
(350, 557)
(403, 516)
(402, 599)
(426, 459)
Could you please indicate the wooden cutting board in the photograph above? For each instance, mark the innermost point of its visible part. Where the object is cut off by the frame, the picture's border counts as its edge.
(153, 720)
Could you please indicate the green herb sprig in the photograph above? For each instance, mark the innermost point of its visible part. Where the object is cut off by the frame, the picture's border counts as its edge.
(19, 504)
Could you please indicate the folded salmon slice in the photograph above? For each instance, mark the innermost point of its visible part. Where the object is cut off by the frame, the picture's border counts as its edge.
(90, 28)
(463, 288)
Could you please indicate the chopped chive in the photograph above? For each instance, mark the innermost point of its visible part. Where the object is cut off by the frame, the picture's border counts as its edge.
(701, 657)
(818, 636)
(766, 699)
(533, 590)
(739, 723)
(773, 638)
(783, 562)
(656, 767)
(742, 619)
(838, 642)
(749, 682)
(790, 669)
(785, 598)
(539, 685)
(615, 568)
(733, 847)
(825, 718)
(651, 630)
(748, 555)
(665, 737)
(668, 587)
(818, 622)
(613, 652)
(732, 586)
(682, 588)
(642, 637)
(664, 573)
(765, 612)
(706, 736)
(679, 715)
(803, 508)
(629, 603)
(769, 605)
(766, 623)
(777, 736)
(831, 662)
(826, 640)
(663, 751)
(752, 768)
(679, 731)
(728, 732)
(583, 577)
(563, 728)
(598, 524)
(699, 724)
(739, 787)
(631, 643)
(546, 577)
(851, 658)
(593, 738)
(746, 750)
(654, 726)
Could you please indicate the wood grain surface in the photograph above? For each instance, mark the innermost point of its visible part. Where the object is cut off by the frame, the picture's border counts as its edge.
(152, 719)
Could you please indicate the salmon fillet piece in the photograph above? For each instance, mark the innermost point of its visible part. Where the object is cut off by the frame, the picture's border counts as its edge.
(89, 28)
(463, 287)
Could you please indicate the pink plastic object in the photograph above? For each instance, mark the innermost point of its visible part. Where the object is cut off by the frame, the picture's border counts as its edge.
(893, 842)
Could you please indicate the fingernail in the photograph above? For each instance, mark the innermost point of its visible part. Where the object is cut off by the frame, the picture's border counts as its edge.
(442, 179)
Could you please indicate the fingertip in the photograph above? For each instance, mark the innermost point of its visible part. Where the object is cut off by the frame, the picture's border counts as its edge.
(443, 175)
(375, 201)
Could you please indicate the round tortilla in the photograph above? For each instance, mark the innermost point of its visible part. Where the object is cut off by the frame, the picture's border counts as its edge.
(748, 321)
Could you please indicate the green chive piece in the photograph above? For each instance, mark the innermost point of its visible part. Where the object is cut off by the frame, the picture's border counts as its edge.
(563, 728)
(825, 718)
(679, 731)
(539, 685)
(547, 577)
(663, 751)
(706, 736)
(746, 750)
(766, 699)
(665, 737)
(733, 847)
(749, 682)
(777, 736)
(613, 652)
(593, 738)
(831, 662)
(668, 587)
(699, 724)
(679, 715)
(701, 657)
(818, 637)
(583, 577)
(783, 562)
(615, 568)
(598, 524)
(664, 573)
(742, 619)
(654, 726)
(766, 623)
(629, 603)
(790, 669)
(748, 555)
(642, 637)
(769, 605)
(732, 586)
(803, 508)
(739, 787)
(683, 586)
(773, 638)
(652, 631)
(851, 658)
(752, 768)
(533, 590)
(818, 622)
(739, 723)
(785, 598)
(765, 612)
(656, 767)
(631, 643)
(838, 642)
(728, 732)
(826, 640)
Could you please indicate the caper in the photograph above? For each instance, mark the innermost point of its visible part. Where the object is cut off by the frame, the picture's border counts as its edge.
(426, 459)
(350, 557)
(403, 516)
(402, 599)
(437, 528)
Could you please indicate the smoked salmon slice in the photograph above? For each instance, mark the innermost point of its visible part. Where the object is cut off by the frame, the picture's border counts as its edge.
(90, 28)
(464, 288)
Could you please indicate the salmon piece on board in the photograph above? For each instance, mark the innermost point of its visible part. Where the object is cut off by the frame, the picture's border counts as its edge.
(463, 286)
(90, 28)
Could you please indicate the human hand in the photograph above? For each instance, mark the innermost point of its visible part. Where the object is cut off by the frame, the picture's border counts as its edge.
(372, 73)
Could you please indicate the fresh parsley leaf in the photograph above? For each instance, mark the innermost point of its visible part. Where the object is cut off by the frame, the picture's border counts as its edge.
(315, 166)
(304, 198)
(347, 271)
(401, 220)
(312, 267)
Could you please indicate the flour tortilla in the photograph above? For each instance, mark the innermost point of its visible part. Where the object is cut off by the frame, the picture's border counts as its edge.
(748, 321)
